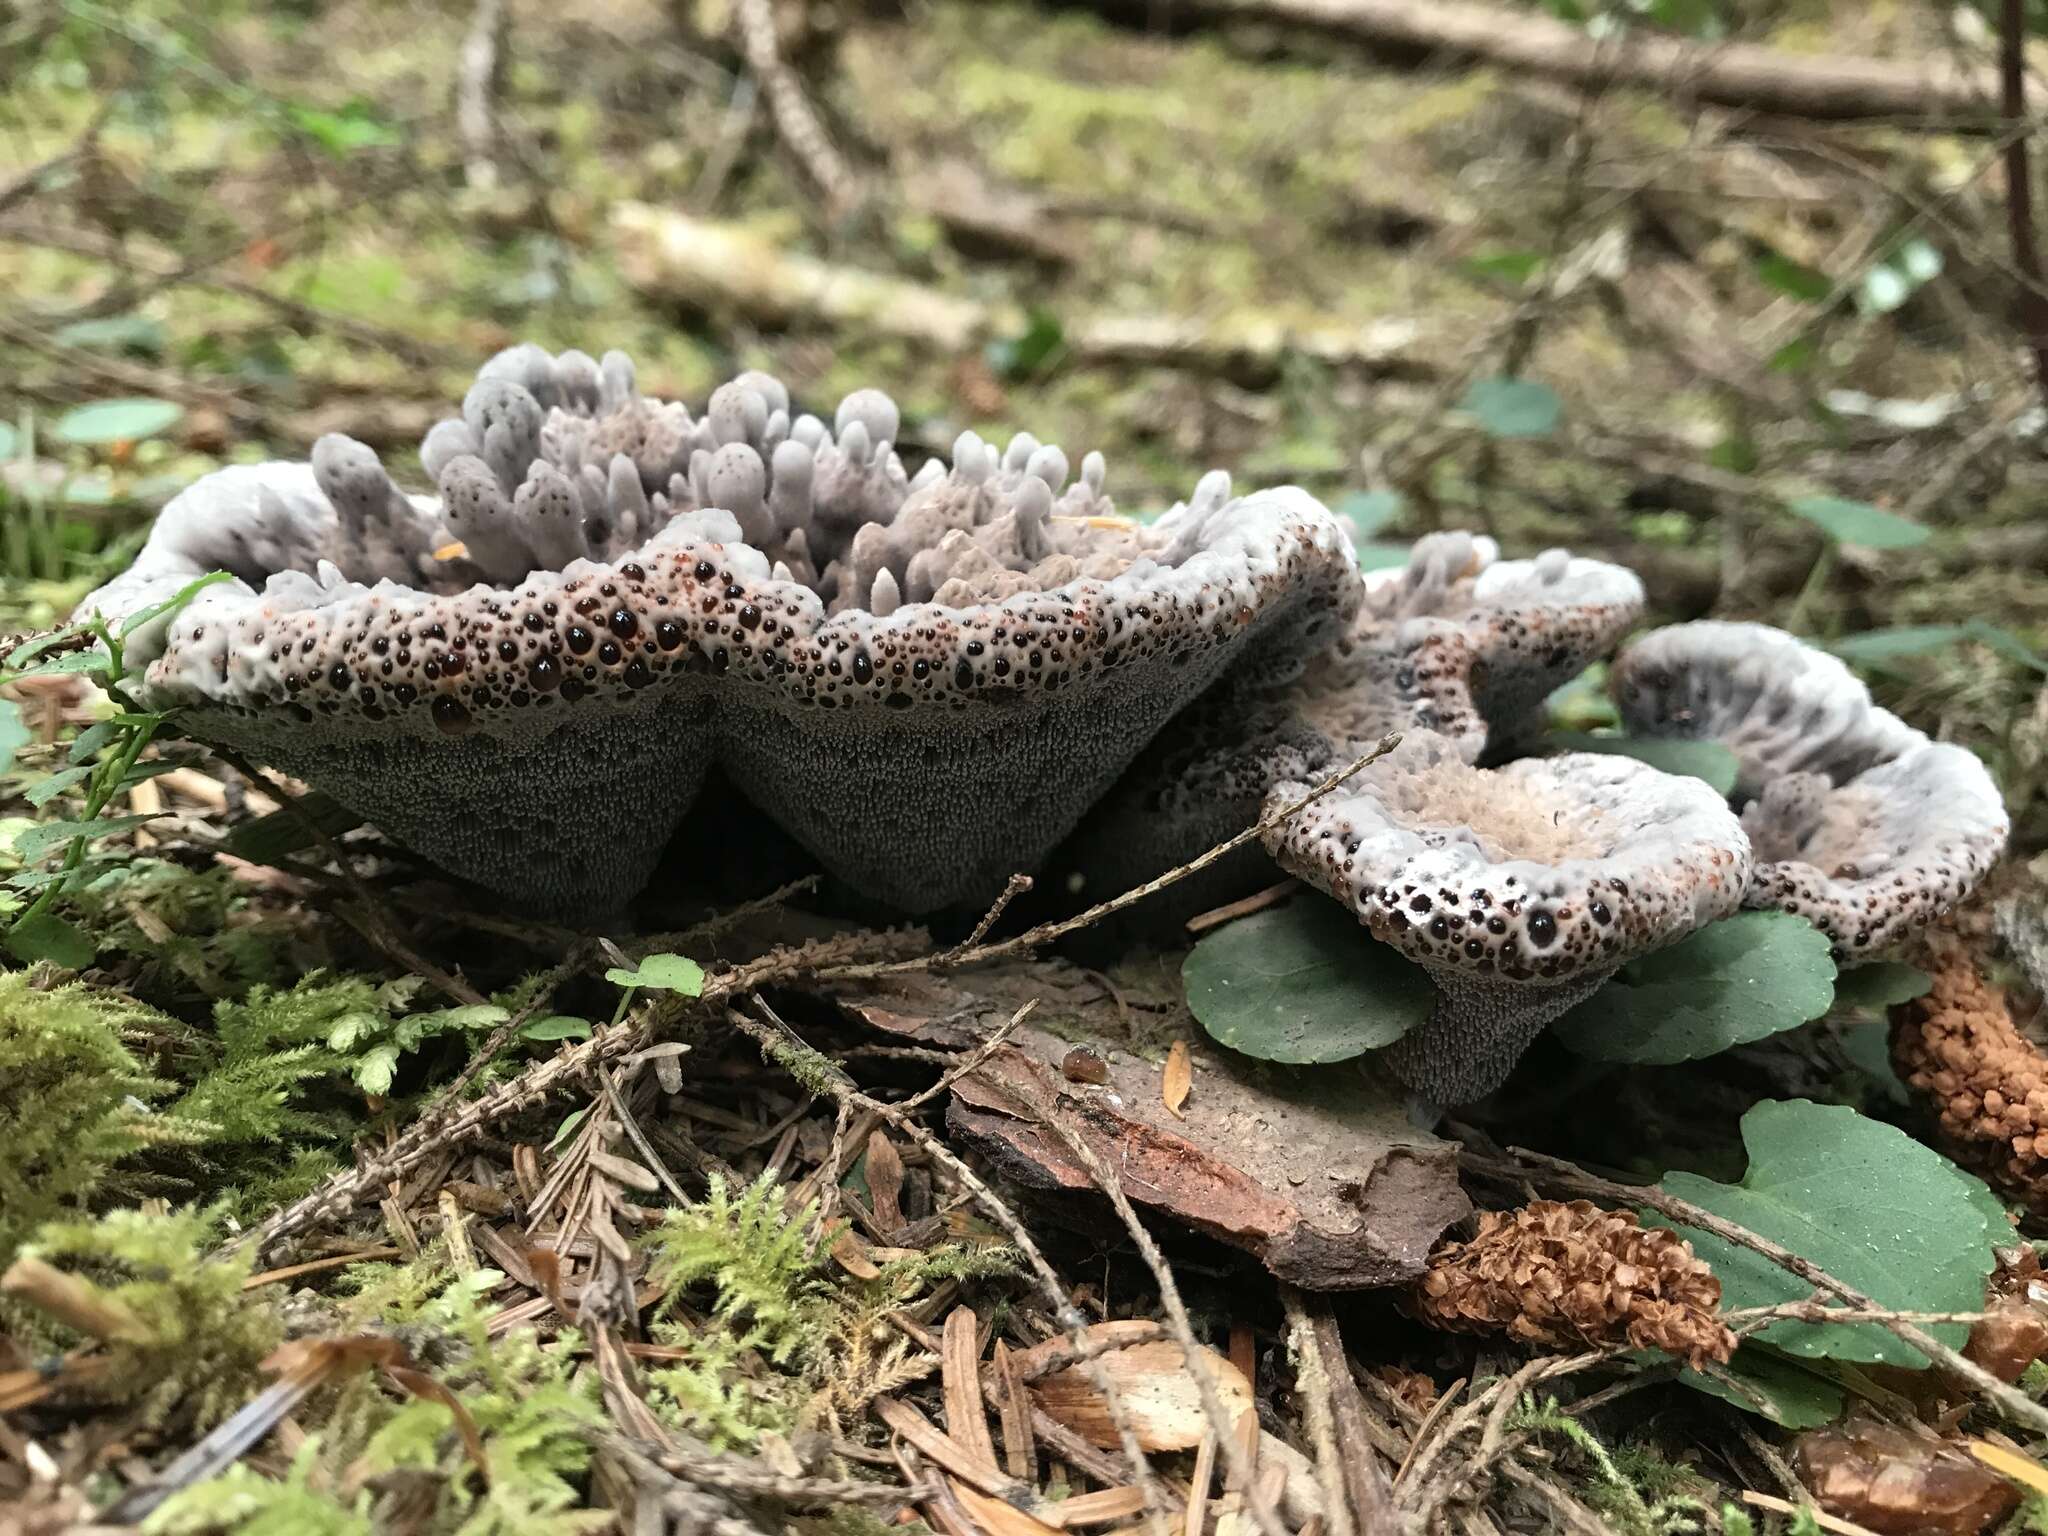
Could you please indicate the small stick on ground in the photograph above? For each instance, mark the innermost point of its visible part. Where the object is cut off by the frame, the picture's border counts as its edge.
(429, 1136)
(1312, 1379)
(1365, 1481)
(479, 78)
(2019, 186)
(1244, 906)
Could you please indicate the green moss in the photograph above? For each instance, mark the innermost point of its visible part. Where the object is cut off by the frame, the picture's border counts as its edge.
(75, 1101)
(190, 1354)
(534, 1412)
(244, 1501)
(760, 1262)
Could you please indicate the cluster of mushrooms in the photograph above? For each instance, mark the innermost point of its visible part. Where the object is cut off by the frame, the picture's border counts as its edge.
(934, 681)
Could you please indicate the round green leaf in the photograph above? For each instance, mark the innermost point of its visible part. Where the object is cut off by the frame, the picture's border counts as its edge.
(118, 421)
(1880, 984)
(1738, 980)
(557, 1026)
(45, 936)
(1858, 522)
(1513, 407)
(1867, 1046)
(1707, 760)
(662, 973)
(1789, 1393)
(1582, 705)
(1303, 983)
(1868, 1204)
(1373, 555)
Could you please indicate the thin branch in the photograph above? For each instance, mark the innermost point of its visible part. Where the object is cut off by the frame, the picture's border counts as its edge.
(1045, 933)
(2019, 187)
(2014, 1404)
(796, 122)
(427, 1138)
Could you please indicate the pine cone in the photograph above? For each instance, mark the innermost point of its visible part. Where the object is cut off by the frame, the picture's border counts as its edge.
(1568, 1275)
(1987, 1082)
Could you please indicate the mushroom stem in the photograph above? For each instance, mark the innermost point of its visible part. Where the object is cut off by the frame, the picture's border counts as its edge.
(1479, 1031)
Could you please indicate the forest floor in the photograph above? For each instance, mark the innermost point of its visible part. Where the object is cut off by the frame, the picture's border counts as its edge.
(512, 1227)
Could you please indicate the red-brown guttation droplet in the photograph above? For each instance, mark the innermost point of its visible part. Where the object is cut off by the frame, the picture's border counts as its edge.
(452, 716)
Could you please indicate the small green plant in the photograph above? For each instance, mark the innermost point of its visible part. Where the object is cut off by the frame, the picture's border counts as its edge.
(1846, 522)
(1616, 1493)
(787, 1347)
(532, 1411)
(286, 1066)
(247, 1503)
(103, 763)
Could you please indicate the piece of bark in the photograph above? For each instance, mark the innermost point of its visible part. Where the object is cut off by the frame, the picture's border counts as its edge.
(723, 269)
(1319, 1174)
(1928, 92)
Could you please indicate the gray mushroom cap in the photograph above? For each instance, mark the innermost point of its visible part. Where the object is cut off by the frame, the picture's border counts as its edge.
(527, 681)
(1520, 889)
(1467, 645)
(1780, 705)
(1860, 824)
(1457, 642)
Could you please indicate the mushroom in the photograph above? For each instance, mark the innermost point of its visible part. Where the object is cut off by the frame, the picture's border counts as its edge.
(1468, 646)
(1860, 824)
(1457, 643)
(926, 682)
(1520, 889)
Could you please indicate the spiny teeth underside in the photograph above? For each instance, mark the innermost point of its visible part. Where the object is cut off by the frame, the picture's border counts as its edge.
(559, 458)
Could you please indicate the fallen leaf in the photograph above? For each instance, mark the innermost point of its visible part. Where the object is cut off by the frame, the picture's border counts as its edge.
(2021, 1469)
(1157, 1391)
(1898, 1482)
(852, 1256)
(2013, 1334)
(1178, 1079)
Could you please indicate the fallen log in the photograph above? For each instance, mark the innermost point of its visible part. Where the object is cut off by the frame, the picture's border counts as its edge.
(720, 268)
(1928, 92)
